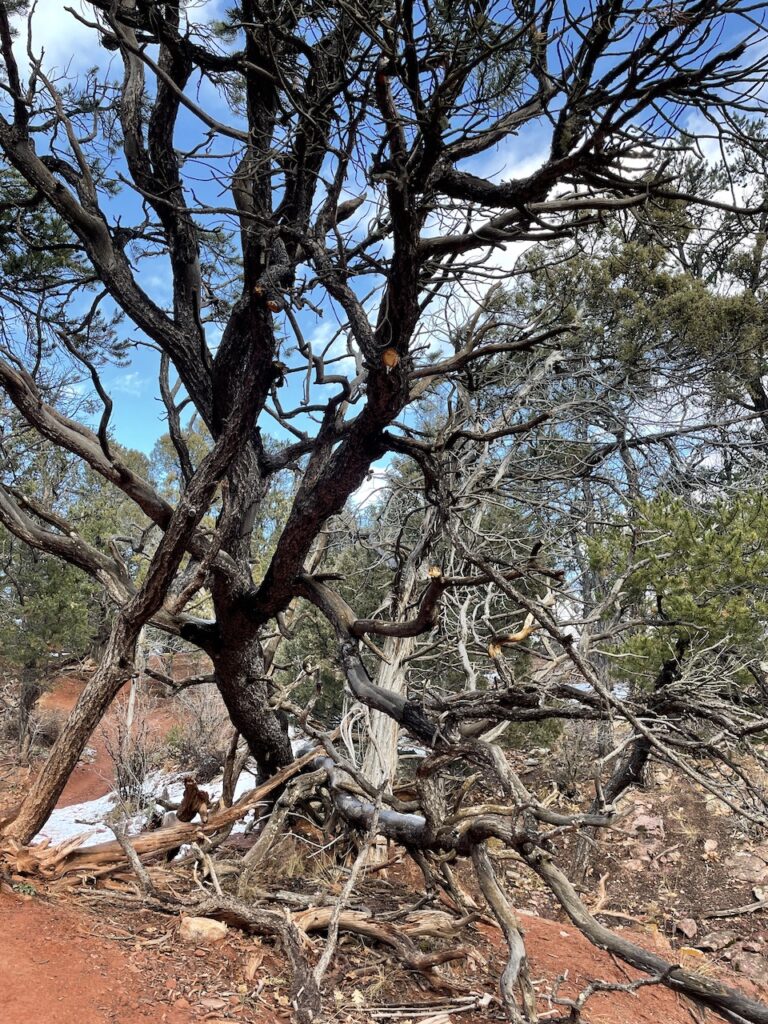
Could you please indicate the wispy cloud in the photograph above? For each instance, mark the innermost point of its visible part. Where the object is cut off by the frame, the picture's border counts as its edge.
(65, 42)
(128, 384)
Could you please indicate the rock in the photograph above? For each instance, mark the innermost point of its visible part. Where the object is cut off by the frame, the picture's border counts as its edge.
(713, 942)
(212, 1003)
(648, 823)
(746, 867)
(635, 864)
(751, 966)
(687, 926)
(753, 947)
(201, 929)
(710, 850)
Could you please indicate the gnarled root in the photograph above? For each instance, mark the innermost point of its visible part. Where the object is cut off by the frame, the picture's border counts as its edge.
(305, 995)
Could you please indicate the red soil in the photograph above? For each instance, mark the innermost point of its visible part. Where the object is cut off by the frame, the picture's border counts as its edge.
(555, 949)
(53, 970)
(91, 780)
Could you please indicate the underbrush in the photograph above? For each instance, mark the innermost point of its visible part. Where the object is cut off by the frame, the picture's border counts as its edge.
(198, 741)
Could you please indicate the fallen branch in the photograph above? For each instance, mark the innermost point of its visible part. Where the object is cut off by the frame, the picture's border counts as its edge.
(750, 908)
(54, 861)
(145, 882)
(727, 1001)
(516, 969)
(398, 938)
(305, 995)
(298, 790)
(333, 924)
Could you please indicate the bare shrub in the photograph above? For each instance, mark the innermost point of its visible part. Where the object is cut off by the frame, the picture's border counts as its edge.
(132, 749)
(45, 726)
(574, 757)
(8, 724)
(200, 738)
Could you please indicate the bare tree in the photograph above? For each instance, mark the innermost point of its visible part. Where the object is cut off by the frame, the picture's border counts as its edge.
(348, 180)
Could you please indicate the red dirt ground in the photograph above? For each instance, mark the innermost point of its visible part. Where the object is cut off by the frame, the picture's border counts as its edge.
(554, 948)
(87, 781)
(56, 969)
(53, 970)
(62, 965)
(91, 780)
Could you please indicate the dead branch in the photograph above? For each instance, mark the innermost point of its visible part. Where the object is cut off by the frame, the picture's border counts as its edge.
(68, 858)
(305, 994)
(516, 971)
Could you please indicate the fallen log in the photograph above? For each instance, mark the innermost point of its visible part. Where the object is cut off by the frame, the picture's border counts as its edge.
(51, 862)
(398, 937)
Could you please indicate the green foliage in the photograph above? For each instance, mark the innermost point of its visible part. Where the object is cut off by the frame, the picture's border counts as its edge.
(46, 606)
(41, 267)
(700, 566)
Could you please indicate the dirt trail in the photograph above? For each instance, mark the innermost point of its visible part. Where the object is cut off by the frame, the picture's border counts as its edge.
(59, 965)
(54, 970)
(91, 780)
(95, 778)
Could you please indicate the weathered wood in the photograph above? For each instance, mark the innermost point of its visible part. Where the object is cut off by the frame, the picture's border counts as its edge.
(398, 937)
(66, 858)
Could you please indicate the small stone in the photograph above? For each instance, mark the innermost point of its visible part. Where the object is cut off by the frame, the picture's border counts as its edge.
(751, 966)
(687, 927)
(713, 942)
(212, 1003)
(746, 867)
(201, 929)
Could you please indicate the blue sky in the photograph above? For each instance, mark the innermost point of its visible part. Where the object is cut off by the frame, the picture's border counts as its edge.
(138, 417)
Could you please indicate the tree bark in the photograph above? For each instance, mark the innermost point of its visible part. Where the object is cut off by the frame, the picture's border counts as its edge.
(381, 757)
(245, 689)
(100, 691)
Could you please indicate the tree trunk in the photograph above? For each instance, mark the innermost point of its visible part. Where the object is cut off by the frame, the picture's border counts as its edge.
(381, 757)
(115, 668)
(240, 677)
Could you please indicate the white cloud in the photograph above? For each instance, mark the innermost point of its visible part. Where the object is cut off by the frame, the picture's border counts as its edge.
(373, 485)
(128, 384)
(66, 44)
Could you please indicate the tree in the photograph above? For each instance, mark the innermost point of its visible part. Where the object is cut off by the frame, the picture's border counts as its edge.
(346, 179)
